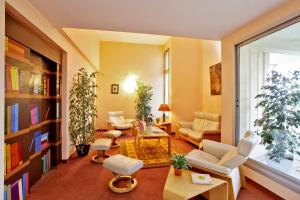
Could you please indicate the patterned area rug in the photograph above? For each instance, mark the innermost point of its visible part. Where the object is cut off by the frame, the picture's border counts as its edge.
(152, 152)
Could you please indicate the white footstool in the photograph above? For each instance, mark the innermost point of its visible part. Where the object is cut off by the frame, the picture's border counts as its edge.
(113, 134)
(100, 145)
(124, 168)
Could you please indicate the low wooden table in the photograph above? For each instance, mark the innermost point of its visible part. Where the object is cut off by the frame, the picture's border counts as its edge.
(154, 136)
(182, 187)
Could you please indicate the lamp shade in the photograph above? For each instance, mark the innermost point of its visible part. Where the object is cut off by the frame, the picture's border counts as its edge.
(164, 107)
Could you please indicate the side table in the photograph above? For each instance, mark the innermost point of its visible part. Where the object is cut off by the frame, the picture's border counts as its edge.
(166, 126)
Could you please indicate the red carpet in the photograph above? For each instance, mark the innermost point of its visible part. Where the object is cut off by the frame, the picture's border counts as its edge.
(79, 179)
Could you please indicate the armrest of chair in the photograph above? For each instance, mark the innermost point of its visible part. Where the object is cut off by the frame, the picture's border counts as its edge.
(216, 148)
(130, 121)
(214, 135)
(110, 125)
(185, 124)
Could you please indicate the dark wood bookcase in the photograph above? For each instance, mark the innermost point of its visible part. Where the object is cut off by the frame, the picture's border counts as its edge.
(49, 112)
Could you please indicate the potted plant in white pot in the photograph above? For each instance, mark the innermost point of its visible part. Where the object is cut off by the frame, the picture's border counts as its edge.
(280, 121)
(143, 103)
(82, 110)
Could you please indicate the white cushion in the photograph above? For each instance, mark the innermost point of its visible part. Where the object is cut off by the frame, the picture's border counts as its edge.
(184, 131)
(247, 143)
(232, 159)
(202, 163)
(101, 144)
(198, 124)
(122, 165)
(208, 116)
(195, 135)
(216, 148)
(198, 154)
(123, 126)
(112, 133)
(117, 120)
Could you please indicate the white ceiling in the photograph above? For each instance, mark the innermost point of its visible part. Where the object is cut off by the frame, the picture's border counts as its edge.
(207, 19)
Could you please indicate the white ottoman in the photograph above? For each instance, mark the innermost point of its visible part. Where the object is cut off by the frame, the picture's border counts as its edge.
(100, 145)
(113, 135)
(124, 168)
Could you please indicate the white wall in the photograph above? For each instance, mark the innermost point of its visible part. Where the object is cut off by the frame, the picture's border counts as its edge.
(2, 89)
(265, 22)
(72, 62)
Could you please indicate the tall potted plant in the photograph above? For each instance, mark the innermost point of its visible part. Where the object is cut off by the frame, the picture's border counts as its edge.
(82, 110)
(143, 103)
(280, 120)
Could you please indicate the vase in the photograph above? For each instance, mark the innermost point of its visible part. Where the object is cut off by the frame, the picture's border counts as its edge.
(82, 149)
(178, 172)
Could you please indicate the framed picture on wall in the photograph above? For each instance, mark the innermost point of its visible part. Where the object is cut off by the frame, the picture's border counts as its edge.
(215, 79)
(115, 88)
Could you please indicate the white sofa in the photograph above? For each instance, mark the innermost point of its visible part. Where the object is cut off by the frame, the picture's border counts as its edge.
(223, 161)
(116, 121)
(204, 126)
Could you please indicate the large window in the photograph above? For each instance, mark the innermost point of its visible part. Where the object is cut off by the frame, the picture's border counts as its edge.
(276, 53)
(166, 76)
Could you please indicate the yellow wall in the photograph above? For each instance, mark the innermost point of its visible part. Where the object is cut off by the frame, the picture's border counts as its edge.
(190, 60)
(211, 54)
(267, 21)
(118, 60)
(72, 62)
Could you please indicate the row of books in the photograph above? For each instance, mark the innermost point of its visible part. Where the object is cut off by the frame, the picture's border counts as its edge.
(46, 162)
(12, 118)
(40, 141)
(14, 47)
(12, 157)
(17, 190)
(20, 80)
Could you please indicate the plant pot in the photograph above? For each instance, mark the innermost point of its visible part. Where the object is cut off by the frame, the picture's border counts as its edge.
(178, 172)
(82, 149)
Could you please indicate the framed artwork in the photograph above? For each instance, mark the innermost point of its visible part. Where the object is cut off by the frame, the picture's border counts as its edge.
(215, 79)
(115, 88)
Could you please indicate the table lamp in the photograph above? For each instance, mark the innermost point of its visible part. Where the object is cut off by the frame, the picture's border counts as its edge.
(164, 108)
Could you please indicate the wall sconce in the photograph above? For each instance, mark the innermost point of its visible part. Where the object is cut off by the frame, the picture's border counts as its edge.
(129, 83)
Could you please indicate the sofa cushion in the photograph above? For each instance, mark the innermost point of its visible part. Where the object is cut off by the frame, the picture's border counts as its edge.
(208, 116)
(184, 131)
(195, 135)
(123, 126)
(210, 125)
(199, 162)
(198, 154)
(247, 143)
(117, 120)
(232, 159)
(198, 124)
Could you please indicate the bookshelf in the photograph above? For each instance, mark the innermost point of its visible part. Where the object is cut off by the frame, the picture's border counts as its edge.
(33, 82)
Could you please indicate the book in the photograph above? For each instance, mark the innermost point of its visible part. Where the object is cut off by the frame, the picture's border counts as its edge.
(15, 191)
(14, 47)
(20, 189)
(14, 155)
(14, 73)
(203, 179)
(8, 192)
(4, 159)
(7, 78)
(20, 160)
(34, 114)
(8, 121)
(8, 158)
(24, 186)
(12, 118)
(5, 193)
(24, 81)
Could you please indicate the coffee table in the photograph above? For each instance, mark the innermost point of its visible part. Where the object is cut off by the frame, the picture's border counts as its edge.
(159, 136)
(182, 187)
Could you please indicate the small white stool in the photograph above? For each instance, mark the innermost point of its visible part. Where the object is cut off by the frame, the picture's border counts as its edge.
(100, 145)
(113, 135)
(124, 168)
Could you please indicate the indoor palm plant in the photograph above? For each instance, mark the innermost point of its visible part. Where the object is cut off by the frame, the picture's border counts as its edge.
(82, 110)
(280, 120)
(143, 103)
(179, 163)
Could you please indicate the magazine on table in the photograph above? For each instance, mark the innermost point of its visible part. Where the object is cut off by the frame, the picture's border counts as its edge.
(202, 179)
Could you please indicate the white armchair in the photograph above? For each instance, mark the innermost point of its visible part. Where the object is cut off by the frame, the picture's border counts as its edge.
(223, 161)
(116, 121)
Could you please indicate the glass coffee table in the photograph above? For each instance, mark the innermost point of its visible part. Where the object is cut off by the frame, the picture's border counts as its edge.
(154, 135)
(182, 187)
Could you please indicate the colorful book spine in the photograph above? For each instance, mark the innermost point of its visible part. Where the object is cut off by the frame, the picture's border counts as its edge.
(34, 114)
(4, 159)
(12, 118)
(46, 162)
(7, 78)
(8, 158)
(15, 191)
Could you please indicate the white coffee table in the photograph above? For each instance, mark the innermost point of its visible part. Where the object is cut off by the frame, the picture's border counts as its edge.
(181, 187)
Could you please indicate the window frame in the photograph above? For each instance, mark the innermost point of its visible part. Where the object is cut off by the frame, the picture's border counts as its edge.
(166, 72)
(272, 173)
